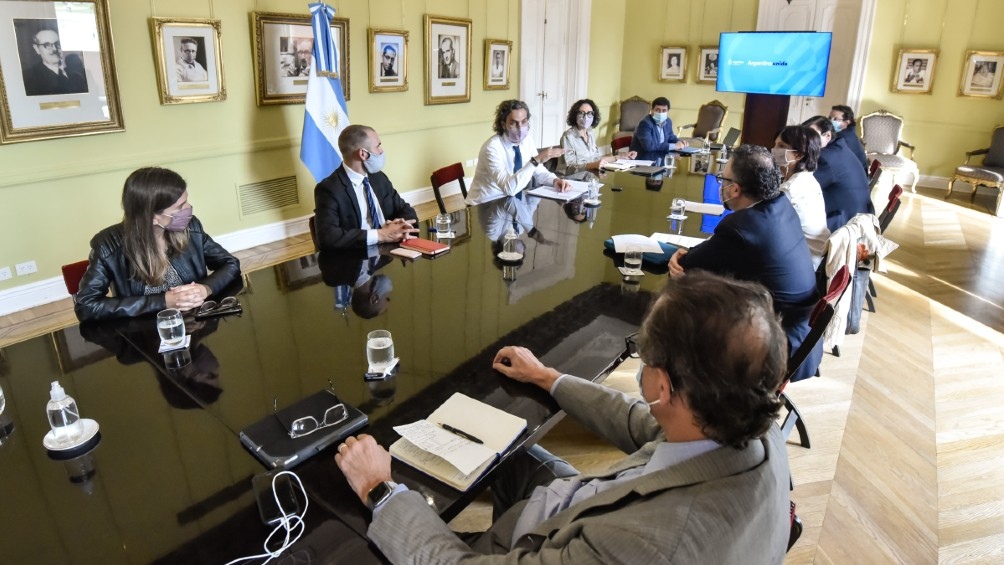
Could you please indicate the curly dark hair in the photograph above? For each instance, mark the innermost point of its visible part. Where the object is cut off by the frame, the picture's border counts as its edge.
(805, 140)
(723, 348)
(573, 113)
(822, 124)
(503, 110)
(753, 169)
(847, 112)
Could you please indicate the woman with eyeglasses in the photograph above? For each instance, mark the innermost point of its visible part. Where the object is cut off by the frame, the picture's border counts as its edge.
(158, 257)
(579, 140)
(796, 152)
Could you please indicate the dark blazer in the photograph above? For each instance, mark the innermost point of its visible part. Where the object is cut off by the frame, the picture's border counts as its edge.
(109, 268)
(40, 81)
(850, 137)
(646, 140)
(338, 218)
(844, 184)
(765, 244)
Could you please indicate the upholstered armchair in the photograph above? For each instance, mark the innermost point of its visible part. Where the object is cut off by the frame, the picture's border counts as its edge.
(631, 112)
(709, 122)
(989, 174)
(880, 134)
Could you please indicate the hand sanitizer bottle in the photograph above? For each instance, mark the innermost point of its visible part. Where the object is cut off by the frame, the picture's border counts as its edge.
(63, 416)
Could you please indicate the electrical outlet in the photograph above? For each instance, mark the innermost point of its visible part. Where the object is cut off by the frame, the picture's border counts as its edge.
(26, 268)
(5, 273)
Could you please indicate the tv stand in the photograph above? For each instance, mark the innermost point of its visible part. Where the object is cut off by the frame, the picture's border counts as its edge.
(763, 117)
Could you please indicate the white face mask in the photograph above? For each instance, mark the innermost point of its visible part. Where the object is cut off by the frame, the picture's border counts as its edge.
(660, 117)
(780, 155)
(641, 367)
(517, 135)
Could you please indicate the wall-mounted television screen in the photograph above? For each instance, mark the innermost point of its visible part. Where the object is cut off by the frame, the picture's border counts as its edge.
(793, 63)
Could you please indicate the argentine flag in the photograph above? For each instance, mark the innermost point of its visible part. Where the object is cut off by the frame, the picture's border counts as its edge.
(325, 115)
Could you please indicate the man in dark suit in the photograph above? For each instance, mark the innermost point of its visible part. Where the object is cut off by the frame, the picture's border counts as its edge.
(357, 205)
(840, 176)
(52, 75)
(762, 241)
(842, 118)
(654, 137)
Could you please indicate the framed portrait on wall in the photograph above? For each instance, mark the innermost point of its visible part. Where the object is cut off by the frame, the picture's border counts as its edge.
(57, 71)
(188, 59)
(447, 60)
(388, 50)
(914, 72)
(981, 74)
(282, 46)
(673, 64)
(498, 53)
(707, 65)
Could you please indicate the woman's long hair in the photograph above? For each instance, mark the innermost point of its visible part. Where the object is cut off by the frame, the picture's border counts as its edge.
(147, 192)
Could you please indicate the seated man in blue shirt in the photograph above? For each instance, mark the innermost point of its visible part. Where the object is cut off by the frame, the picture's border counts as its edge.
(654, 137)
(707, 479)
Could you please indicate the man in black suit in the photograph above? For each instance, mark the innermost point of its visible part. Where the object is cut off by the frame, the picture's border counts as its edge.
(357, 205)
(761, 241)
(842, 118)
(51, 75)
(840, 176)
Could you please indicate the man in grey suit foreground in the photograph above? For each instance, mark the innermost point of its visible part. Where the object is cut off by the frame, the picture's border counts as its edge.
(707, 478)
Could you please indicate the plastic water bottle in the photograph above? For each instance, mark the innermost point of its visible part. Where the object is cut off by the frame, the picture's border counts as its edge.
(510, 248)
(63, 416)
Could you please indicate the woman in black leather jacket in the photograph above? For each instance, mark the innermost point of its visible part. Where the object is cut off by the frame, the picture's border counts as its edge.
(158, 257)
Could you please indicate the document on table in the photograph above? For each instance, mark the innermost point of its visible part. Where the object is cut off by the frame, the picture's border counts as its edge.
(626, 164)
(683, 241)
(463, 454)
(576, 188)
(703, 208)
(647, 244)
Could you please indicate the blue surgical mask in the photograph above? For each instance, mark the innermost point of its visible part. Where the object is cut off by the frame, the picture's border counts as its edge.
(374, 163)
(837, 125)
(660, 117)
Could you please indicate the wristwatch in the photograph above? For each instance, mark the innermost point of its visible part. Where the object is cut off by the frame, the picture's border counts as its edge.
(534, 161)
(379, 494)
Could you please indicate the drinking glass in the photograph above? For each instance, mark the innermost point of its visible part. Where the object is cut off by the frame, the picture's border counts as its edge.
(177, 358)
(632, 258)
(593, 192)
(379, 349)
(670, 160)
(678, 208)
(171, 326)
(3, 402)
(443, 223)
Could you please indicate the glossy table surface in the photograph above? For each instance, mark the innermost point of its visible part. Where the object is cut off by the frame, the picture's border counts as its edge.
(170, 481)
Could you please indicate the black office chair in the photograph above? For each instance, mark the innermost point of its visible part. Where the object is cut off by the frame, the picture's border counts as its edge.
(818, 320)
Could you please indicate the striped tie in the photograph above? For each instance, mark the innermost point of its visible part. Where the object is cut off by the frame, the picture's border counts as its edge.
(370, 204)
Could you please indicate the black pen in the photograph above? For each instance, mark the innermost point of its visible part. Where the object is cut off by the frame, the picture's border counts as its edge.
(461, 433)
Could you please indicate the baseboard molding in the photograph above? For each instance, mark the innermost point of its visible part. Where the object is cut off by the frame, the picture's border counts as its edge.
(52, 289)
(928, 181)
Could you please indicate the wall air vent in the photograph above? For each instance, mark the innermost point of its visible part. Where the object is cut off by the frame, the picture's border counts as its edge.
(267, 195)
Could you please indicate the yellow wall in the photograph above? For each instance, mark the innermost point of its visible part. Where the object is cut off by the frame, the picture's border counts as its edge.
(66, 190)
(942, 125)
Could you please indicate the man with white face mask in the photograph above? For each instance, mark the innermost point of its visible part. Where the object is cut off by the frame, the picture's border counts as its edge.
(706, 480)
(654, 137)
(509, 160)
(357, 206)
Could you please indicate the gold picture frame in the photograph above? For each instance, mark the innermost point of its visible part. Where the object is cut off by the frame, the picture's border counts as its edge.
(668, 54)
(281, 48)
(981, 74)
(189, 60)
(707, 64)
(498, 61)
(382, 44)
(914, 71)
(84, 98)
(447, 65)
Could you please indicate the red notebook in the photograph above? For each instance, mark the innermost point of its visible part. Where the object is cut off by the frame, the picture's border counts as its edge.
(425, 246)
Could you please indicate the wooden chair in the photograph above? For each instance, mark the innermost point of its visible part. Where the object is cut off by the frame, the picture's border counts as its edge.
(818, 320)
(72, 274)
(889, 212)
(989, 174)
(796, 527)
(710, 118)
(312, 226)
(618, 143)
(880, 132)
(444, 176)
(632, 111)
(874, 174)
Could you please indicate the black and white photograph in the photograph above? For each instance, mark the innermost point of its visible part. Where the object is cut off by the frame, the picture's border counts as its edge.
(388, 49)
(189, 60)
(915, 71)
(981, 74)
(283, 45)
(707, 69)
(447, 60)
(673, 64)
(498, 53)
(57, 71)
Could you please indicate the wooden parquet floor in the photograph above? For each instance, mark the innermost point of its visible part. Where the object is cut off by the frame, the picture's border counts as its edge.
(907, 425)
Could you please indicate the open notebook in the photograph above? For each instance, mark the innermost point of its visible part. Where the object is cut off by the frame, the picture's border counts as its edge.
(429, 447)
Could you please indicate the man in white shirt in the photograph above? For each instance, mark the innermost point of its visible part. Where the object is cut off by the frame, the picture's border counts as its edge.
(509, 160)
(190, 70)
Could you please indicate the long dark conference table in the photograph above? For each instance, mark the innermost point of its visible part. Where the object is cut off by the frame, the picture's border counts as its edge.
(170, 482)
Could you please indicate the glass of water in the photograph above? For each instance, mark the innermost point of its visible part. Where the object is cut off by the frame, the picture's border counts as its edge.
(171, 326)
(678, 208)
(3, 402)
(443, 225)
(379, 349)
(632, 258)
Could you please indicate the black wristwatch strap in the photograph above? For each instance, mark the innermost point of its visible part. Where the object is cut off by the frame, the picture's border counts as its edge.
(534, 161)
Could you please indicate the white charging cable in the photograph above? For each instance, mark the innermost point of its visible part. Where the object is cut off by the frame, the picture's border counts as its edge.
(291, 524)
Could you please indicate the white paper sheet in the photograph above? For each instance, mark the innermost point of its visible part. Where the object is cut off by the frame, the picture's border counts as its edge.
(702, 208)
(647, 244)
(576, 189)
(678, 240)
(463, 454)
